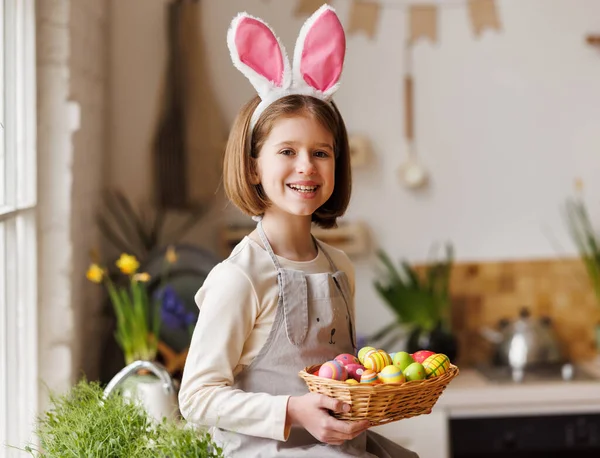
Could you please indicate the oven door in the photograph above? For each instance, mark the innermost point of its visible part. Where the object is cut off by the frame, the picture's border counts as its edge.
(541, 436)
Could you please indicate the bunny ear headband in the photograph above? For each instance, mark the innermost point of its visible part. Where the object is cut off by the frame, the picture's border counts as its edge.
(260, 56)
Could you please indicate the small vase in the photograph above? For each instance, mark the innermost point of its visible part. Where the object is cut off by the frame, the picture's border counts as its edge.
(437, 340)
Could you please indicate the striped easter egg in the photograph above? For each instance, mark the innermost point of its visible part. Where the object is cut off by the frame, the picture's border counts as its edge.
(436, 365)
(374, 361)
(333, 370)
(368, 376)
(387, 359)
(362, 352)
(391, 374)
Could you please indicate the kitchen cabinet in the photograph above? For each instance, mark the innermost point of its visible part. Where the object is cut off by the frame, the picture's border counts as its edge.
(426, 434)
(471, 395)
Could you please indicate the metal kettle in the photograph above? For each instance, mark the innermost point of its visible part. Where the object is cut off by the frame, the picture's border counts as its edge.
(525, 342)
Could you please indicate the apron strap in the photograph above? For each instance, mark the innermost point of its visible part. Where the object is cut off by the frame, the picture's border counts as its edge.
(265, 241)
(331, 263)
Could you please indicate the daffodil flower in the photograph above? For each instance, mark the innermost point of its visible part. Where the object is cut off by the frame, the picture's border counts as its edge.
(143, 277)
(171, 255)
(95, 273)
(128, 264)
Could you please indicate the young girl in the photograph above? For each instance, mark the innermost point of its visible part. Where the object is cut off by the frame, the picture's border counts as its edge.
(282, 300)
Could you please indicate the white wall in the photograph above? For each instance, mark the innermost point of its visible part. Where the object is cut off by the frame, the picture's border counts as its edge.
(504, 123)
(71, 91)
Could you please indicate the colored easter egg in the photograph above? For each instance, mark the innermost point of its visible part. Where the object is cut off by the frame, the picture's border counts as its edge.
(387, 360)
(422, 355)
(333, 370)
(374, 360)
(362, 352)
(402, 360)
(415, 371)
(351, 381)
(355, 371)
(346, 358)
(368, 376)
(436, 365)
(391, 374)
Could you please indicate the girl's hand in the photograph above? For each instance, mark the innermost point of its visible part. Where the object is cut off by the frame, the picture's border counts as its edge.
(311, 411)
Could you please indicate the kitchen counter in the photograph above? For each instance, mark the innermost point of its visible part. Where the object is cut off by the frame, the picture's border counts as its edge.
(472, 395)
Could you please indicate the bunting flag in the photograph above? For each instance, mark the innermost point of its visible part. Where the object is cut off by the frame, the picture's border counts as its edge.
(483, 15)
(307, 7)
(423, 17)
(422, 22)
(364, 17)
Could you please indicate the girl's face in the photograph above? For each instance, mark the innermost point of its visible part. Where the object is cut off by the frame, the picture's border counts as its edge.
(296, 165)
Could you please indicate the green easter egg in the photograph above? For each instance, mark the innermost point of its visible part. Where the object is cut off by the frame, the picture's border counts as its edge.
(402, 360)
(415, 371)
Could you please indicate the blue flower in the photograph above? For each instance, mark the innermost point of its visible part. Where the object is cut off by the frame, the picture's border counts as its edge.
(173, 312)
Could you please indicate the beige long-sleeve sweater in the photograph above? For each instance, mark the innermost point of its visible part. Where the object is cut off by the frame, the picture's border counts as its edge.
(237, 302)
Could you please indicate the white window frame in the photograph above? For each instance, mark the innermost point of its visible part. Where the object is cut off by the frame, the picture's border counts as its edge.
(18, 247)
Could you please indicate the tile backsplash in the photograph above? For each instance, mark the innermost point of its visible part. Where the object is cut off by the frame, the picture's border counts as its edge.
(485, 292)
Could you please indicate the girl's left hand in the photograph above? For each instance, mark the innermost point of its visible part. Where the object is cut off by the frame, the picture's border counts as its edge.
(312, 412)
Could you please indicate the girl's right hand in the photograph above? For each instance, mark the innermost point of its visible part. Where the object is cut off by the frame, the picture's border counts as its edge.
(311, 411)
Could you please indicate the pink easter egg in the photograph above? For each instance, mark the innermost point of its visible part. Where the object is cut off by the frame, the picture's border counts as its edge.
(333, 370)
(347, 358)
(355, 371)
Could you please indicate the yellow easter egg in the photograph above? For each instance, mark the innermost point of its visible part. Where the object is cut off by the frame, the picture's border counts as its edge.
(351, 381)
(436, 365)
(362, 352)
(374, 361)
(391, 374)
(387, 359)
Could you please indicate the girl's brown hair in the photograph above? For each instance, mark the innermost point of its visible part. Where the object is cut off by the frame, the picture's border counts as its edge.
(242, 149)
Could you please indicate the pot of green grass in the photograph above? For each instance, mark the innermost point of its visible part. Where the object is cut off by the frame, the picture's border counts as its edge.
(85, 423)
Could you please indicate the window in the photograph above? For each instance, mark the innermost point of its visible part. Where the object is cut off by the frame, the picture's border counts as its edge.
(18, 271)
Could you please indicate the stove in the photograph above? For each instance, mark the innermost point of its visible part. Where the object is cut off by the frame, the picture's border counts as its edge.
(553, 373)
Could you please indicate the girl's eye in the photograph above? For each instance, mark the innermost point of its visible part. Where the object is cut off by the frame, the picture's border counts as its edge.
(287, 152)
(322, 154)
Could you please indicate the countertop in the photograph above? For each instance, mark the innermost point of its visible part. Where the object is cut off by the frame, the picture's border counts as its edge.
(472, 394)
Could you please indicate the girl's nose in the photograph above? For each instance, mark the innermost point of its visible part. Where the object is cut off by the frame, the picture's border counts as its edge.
(305, 165)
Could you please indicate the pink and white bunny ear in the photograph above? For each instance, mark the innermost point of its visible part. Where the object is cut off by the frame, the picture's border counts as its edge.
(259, 55)
(319, 53)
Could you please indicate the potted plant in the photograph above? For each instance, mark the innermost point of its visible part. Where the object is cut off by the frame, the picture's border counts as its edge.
(421, 302)
(84, 423)
(587, 241)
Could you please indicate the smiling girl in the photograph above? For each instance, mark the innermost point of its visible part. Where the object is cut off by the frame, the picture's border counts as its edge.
(282, 300)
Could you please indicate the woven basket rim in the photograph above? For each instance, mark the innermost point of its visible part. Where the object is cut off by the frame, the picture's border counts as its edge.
(444, 378)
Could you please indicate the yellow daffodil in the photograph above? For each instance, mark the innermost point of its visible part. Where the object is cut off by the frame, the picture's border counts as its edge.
(143, 277)
(128, 264)
(171, 255)
(95, 273)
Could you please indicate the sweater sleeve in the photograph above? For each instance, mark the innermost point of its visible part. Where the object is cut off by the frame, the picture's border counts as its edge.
(229, 307)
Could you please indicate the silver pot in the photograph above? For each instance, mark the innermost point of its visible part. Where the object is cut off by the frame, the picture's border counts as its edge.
(525, 342)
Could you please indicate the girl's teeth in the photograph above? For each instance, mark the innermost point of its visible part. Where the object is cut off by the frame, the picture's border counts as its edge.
(302, 188)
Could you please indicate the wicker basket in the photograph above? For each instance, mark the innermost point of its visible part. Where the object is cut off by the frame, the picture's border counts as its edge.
(382, 403)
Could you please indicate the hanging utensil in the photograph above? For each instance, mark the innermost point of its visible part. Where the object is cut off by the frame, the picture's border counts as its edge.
(411, 172)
